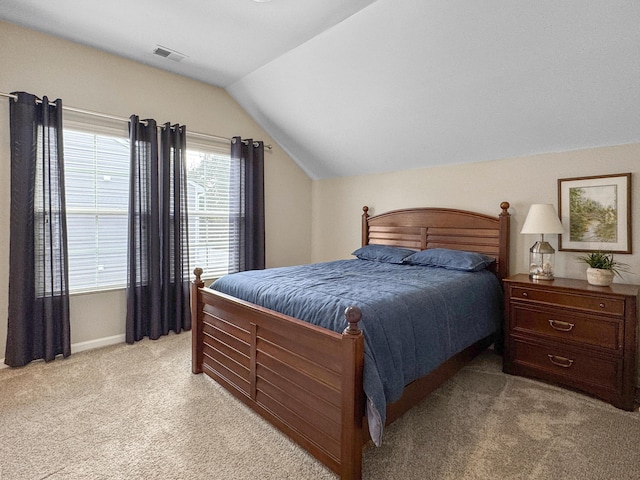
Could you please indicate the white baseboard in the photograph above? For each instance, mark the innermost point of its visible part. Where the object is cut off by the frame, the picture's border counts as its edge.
(99, 342)
(88, 345)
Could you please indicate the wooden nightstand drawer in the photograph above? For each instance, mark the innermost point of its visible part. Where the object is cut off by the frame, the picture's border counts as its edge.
(583, 329)
(597, 304)
(573, 367)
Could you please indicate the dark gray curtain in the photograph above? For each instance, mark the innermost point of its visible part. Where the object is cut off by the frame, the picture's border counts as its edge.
(143, 264)
(157, 291)
(176, 314)
(38, 323)
(247, 244)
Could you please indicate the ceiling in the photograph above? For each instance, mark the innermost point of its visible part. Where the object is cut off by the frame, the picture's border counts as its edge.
(364, 86)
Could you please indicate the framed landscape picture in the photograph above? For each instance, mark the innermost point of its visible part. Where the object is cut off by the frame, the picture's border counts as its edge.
(596, 213)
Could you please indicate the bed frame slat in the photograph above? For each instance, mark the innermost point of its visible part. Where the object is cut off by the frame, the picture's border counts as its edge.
(406, 237)
(313, 419)
(328, 408)
(223, 336)
(414, 245)
(223, 354)
(322, 355)
(485, 249)
(298, 421)
(464, 232)
(323, 384)
(240, 384)
(237, 327)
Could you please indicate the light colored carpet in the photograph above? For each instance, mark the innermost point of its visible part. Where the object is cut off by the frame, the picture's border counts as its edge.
(137, 412)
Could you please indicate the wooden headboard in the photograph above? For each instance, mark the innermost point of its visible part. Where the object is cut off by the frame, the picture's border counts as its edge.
(422, 228)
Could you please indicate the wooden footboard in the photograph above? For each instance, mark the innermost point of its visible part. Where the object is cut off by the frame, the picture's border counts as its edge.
(305, 380)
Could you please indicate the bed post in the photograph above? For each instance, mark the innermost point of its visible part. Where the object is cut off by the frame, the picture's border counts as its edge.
(196, 322)
(365, 225)
(504, 218)
(352, 396)
(503, 265)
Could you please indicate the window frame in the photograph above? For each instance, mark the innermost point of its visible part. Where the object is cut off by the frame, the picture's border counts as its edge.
(111, 127)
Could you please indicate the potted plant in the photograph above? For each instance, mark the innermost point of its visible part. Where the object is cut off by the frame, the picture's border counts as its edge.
(602, 268)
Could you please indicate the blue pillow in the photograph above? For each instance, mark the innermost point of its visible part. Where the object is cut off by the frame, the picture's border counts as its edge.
(382, 253)
(451, 259)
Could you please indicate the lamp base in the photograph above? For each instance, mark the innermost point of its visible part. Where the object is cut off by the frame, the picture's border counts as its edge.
(541, 260)
(541, 276)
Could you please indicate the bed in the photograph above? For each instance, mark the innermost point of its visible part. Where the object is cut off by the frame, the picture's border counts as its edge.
(309, 381)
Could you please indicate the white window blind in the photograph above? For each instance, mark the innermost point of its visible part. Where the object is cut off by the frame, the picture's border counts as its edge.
(208, 174)
(97, 192)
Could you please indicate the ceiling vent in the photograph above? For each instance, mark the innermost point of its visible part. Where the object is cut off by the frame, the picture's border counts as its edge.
(168, 53)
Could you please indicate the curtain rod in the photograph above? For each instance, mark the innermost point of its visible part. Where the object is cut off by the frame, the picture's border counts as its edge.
(122, 119)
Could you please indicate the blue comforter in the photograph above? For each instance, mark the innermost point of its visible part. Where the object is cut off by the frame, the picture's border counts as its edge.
(413, 317)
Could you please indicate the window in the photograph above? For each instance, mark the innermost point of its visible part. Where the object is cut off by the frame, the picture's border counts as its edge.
(208, 174)
(97, 191)
(96, 162)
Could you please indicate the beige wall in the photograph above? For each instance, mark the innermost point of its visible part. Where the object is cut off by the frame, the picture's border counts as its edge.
(100, 82)
(337, 203)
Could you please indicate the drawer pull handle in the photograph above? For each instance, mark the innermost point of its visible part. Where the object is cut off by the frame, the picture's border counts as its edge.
(563, 362)
(525, 294)
(561, 326)
(602, 305)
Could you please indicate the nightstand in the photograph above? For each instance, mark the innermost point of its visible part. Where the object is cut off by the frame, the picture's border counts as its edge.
(574, 334)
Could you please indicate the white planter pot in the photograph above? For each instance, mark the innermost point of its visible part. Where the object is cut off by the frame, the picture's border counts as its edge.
(597, 276)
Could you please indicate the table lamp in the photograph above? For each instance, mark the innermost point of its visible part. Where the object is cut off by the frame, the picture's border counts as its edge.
(541, 219)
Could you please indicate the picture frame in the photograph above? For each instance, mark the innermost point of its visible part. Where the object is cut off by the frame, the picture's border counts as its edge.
(596, 213)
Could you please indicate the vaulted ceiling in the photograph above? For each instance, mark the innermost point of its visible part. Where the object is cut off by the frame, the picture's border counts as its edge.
(351, 87)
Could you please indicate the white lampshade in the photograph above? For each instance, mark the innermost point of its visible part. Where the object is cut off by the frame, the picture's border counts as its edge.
(542, 218)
